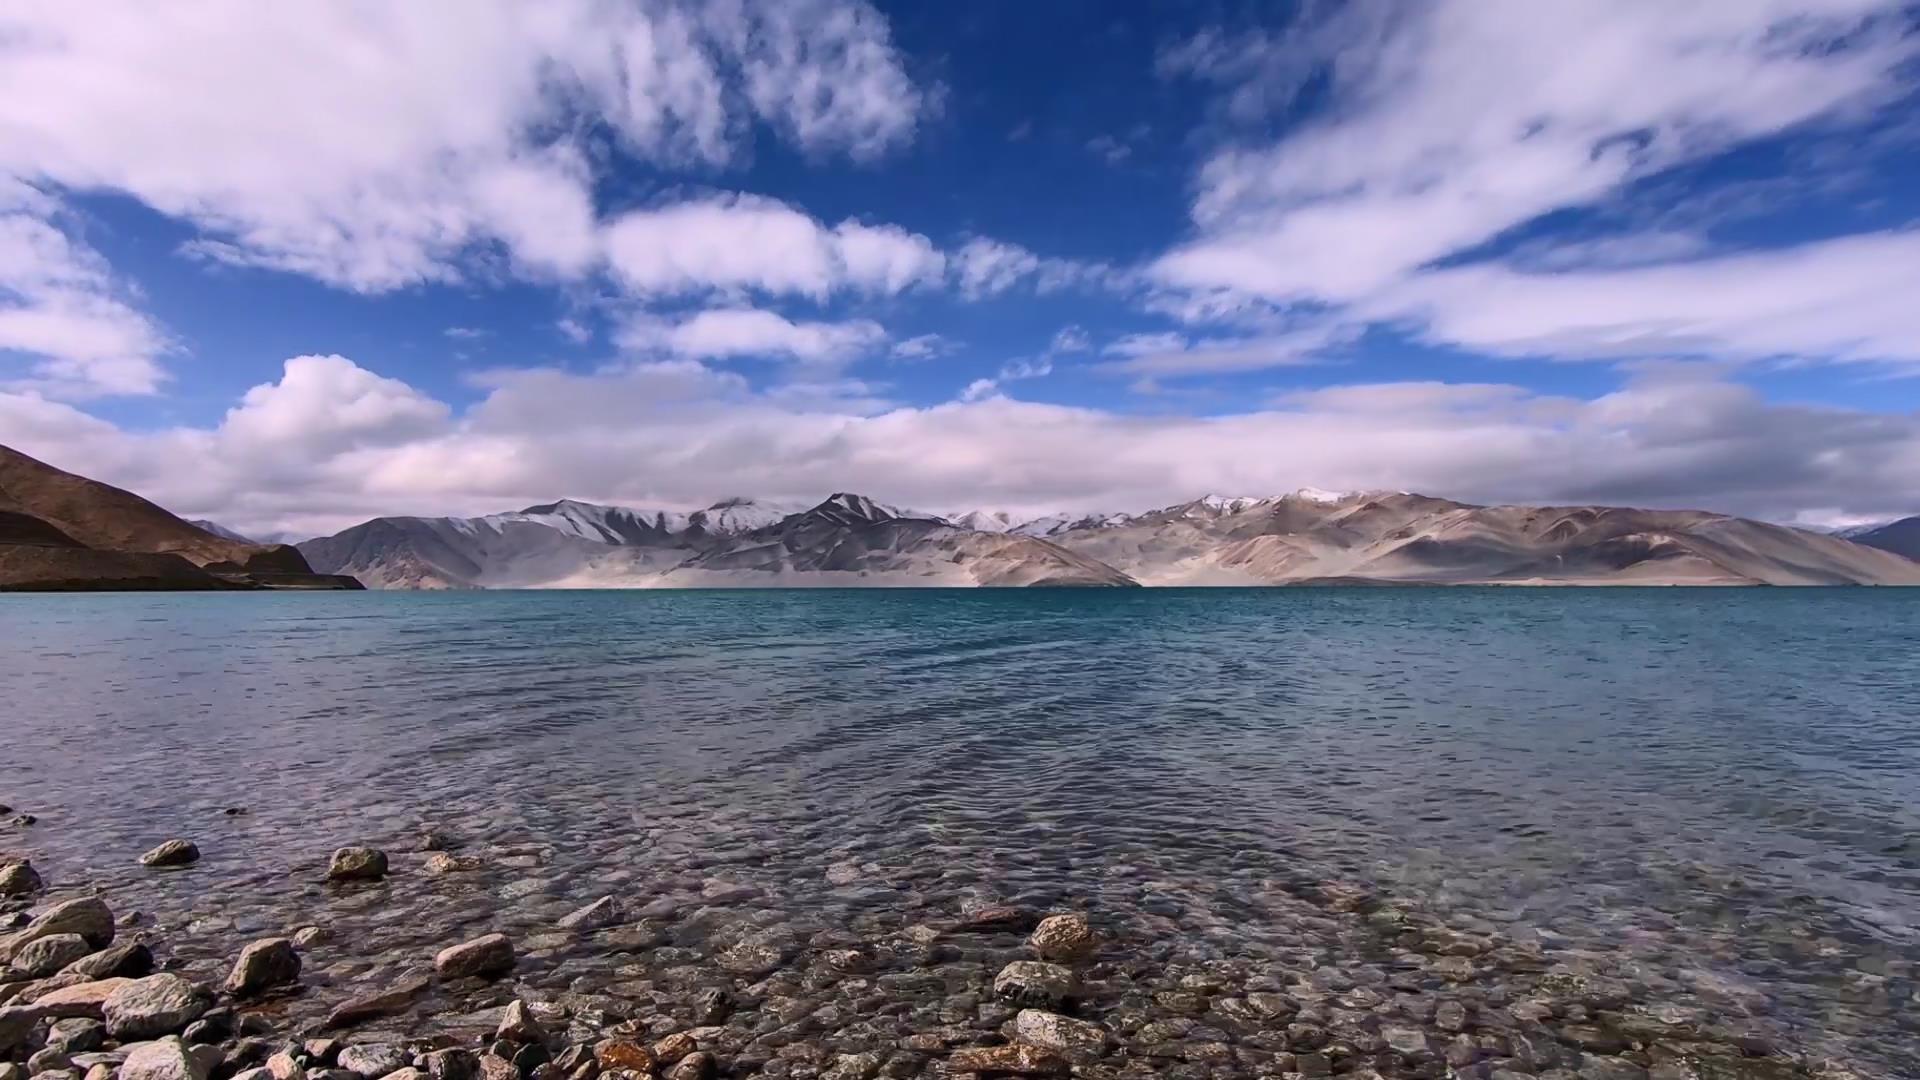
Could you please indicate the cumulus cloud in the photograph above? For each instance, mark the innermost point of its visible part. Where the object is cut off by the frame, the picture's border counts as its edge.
(755, 244)
(325, 405)
(62, 305)
(330, 443)
(370, 147)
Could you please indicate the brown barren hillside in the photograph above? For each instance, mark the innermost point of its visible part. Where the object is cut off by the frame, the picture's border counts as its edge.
(60, 531)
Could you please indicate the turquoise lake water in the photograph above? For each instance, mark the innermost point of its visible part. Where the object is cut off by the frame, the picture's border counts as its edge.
(1711, 779)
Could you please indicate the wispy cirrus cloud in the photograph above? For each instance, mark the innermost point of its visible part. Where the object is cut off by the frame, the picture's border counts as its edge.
(1439, 134)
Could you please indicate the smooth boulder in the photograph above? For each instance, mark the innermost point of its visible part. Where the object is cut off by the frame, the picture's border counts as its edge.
(1063, 938)
(1034, 984)
(1076, 1040)
(20, 879)
(482, 957)
(167, 1059)
(154, 1006)
(131, 960)
(263, 965)
(41, 957)
(373, 1060)
(172, 853)
(87, 916)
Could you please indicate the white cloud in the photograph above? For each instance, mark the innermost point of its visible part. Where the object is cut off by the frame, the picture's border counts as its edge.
(373, 147)
(1070, 339)
(923, 347)
(61, 305)
(330, 444)
(1445, 126)
(1849, 299)
(1169, 354)
(1011, 371)
(755, 244)
(984, 267)
(723, 333)
(325, 405)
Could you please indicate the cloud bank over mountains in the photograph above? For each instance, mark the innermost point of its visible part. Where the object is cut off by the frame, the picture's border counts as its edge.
(1504, 185)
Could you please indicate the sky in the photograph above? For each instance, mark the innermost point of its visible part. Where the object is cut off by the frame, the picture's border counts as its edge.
(291, 266)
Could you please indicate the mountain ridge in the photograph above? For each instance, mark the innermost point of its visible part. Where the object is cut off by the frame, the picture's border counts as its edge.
(1308, 536)
(60, 531)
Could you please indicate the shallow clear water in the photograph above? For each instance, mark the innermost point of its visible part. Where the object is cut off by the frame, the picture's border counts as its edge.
(1712, 794)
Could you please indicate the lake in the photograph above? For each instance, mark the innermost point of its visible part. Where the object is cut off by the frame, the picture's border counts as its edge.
(1673, 816)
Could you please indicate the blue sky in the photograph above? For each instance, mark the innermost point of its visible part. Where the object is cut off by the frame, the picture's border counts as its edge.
(291, 268)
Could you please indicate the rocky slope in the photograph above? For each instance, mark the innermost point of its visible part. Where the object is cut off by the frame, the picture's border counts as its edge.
(62, 532)
(1402, 538)
(1900, 537)
(852, 540)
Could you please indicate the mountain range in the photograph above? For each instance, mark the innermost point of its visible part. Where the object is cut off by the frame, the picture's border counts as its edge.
(1305, 537)
(1901, 537)
(61, 532)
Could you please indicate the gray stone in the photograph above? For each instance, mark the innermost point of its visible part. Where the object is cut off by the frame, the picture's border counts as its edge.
(1450, 1016)
(43, 956)
(77, 1035)
(154, 1006)
(357, 864)
(1034, 984)
(519, 1026)
(131, 960)
(1405, 1040)
(262, 965)
(87, 916)
(482, 957)
(167, 1059)
(1064, 938)
(20, 879)
(373, 1060)
(1076, 1040)
(49, 1059)
(598, 915)
(408, 1073)
(308, 936)
(396, 999)
(172, 853)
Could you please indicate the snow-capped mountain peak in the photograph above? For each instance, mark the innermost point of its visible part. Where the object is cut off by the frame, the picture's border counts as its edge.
(1222, 504)
(738, 514)
(591, 521)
